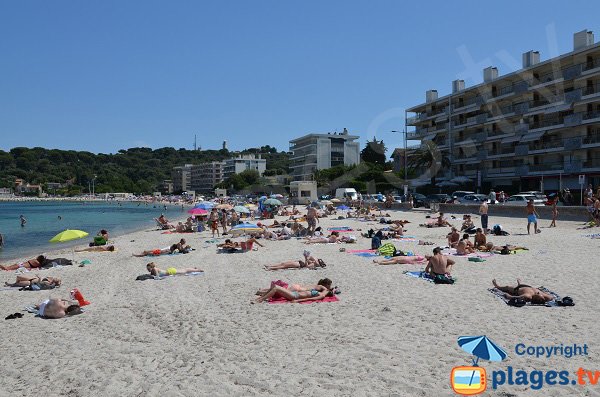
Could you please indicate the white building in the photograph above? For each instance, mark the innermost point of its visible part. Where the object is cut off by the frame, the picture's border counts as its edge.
(321, 151)
(242, 163)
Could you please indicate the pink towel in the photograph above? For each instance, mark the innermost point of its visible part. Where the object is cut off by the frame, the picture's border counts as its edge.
(283, 300)
(359, 251)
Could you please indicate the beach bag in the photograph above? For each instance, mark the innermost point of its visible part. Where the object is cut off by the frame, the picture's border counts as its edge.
(375, 243)
(387, 249)
(442, 279)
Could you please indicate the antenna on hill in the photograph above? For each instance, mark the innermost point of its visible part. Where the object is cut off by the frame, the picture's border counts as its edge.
(195, 147)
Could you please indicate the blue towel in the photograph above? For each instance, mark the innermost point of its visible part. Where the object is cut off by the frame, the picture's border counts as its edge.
(366, 254)
(420, 274)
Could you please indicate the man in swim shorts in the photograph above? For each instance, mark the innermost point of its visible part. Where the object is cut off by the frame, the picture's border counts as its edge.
(532, 216)
(438, 264)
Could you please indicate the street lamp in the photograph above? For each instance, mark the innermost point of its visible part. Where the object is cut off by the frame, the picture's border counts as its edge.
(405, 152)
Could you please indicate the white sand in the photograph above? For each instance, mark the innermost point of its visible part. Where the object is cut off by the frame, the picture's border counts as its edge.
(187, 336)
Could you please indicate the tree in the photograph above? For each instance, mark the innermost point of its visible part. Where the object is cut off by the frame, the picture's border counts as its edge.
(428, 156)
(374, 152)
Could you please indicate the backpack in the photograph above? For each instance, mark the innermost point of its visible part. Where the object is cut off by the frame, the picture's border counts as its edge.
(387, 249)
(375, 243)
(442, 279)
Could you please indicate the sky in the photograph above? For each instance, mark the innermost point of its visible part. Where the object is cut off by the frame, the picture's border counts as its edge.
(107, 75)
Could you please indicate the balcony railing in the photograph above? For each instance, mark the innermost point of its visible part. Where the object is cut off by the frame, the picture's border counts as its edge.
(593, 89)
(591, 115)
(546, 167)
(595, 63)
(546, 123)
(592, 138)
(546, 101)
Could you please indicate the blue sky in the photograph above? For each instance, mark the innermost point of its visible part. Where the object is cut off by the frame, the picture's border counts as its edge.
(105, 75)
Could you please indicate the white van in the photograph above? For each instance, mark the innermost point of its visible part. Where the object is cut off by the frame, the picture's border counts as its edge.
(346, 192)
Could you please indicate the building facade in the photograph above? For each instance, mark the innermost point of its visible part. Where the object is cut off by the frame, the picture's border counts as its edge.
(206, 176)
(321, 151)
(182, 178)
(534, 129)
(242, 163)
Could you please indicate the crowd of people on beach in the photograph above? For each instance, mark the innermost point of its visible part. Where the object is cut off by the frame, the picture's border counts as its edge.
(464, 239)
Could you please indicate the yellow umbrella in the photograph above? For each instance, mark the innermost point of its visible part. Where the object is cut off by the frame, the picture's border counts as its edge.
(68, 235)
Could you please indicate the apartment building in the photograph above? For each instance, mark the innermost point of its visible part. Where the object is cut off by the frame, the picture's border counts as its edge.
(205, 176)
(538, 127)
(321, 151)
(242, 163)
(182, 178)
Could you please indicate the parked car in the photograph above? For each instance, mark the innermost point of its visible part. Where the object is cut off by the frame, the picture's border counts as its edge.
(537, 194)
(473, 199)
(437, 198)
(460, 193)
(397, 199)
(522, 199)
(418, 200)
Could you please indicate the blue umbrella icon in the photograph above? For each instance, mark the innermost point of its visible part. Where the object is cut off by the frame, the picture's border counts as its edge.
(481, 347)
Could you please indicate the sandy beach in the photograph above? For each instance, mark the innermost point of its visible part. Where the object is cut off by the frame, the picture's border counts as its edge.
(389, 335)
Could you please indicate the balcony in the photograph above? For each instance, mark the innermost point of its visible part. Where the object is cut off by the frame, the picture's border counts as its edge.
(591, 163)
(591, 116)
(552, 122)
(546, 167)
(594, 64)
(592, 90)
(592, 139)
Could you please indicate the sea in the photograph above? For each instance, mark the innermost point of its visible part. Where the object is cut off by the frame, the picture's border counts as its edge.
(48, 218)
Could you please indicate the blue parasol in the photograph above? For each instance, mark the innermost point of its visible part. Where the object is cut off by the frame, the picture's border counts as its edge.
(481, 347)
(205, 205)
(343, 208)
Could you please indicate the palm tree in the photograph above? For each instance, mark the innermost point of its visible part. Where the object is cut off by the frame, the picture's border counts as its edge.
(428, 156)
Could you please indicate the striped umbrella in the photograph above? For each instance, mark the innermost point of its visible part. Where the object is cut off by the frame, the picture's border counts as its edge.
(245, 228)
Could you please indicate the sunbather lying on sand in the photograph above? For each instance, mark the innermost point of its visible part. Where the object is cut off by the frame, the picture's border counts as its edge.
(25, 280)
(180, 246)
(401, 260)
(171, 271)
(490, 247)
(525, 292)
(30, 264)
(99, 248)
(319, 292)
(333, 238)
(309, 262)
(58, 308)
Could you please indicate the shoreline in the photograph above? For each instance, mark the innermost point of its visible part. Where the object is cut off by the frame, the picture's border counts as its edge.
(26, 255)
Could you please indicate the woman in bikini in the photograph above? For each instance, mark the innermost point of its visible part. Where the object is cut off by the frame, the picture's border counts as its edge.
(158, 252)
(401, 260)
(24, 280)
(30, 264)
(333, 238)
(318, 292)
(525, 292)
(170, 271)
(98, 248)
(309, 262)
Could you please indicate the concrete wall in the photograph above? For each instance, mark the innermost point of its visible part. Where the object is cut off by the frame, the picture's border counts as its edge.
(564, 213)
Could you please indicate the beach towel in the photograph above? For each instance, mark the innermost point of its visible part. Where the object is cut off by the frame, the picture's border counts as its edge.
(420, 274)
(427, 277)
(406, 239)
(500, 295)
(366, 254)
(452, 252)
(283, 300)
(187, 274)
(359, 251)
(174, 232)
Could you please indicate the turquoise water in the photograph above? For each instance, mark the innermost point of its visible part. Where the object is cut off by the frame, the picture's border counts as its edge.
(43, 222)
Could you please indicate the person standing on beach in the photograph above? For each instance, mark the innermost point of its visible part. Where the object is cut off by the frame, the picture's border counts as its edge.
(224, 221)
(23, 220)
(213, 220)
(554, 211)
(492, 197)
(532, 216)
(312, 219)
(483, 212)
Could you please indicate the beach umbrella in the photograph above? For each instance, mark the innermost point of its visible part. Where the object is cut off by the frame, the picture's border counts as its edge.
(343, 208)
(482, 347)
(272, 201)
(241, 208)
(68, 235)
(250, 206)
(244, 228)
(224, 207)
(277, 196)
(326, 202)
(197, 211)
(336, 200)
(205, 205)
